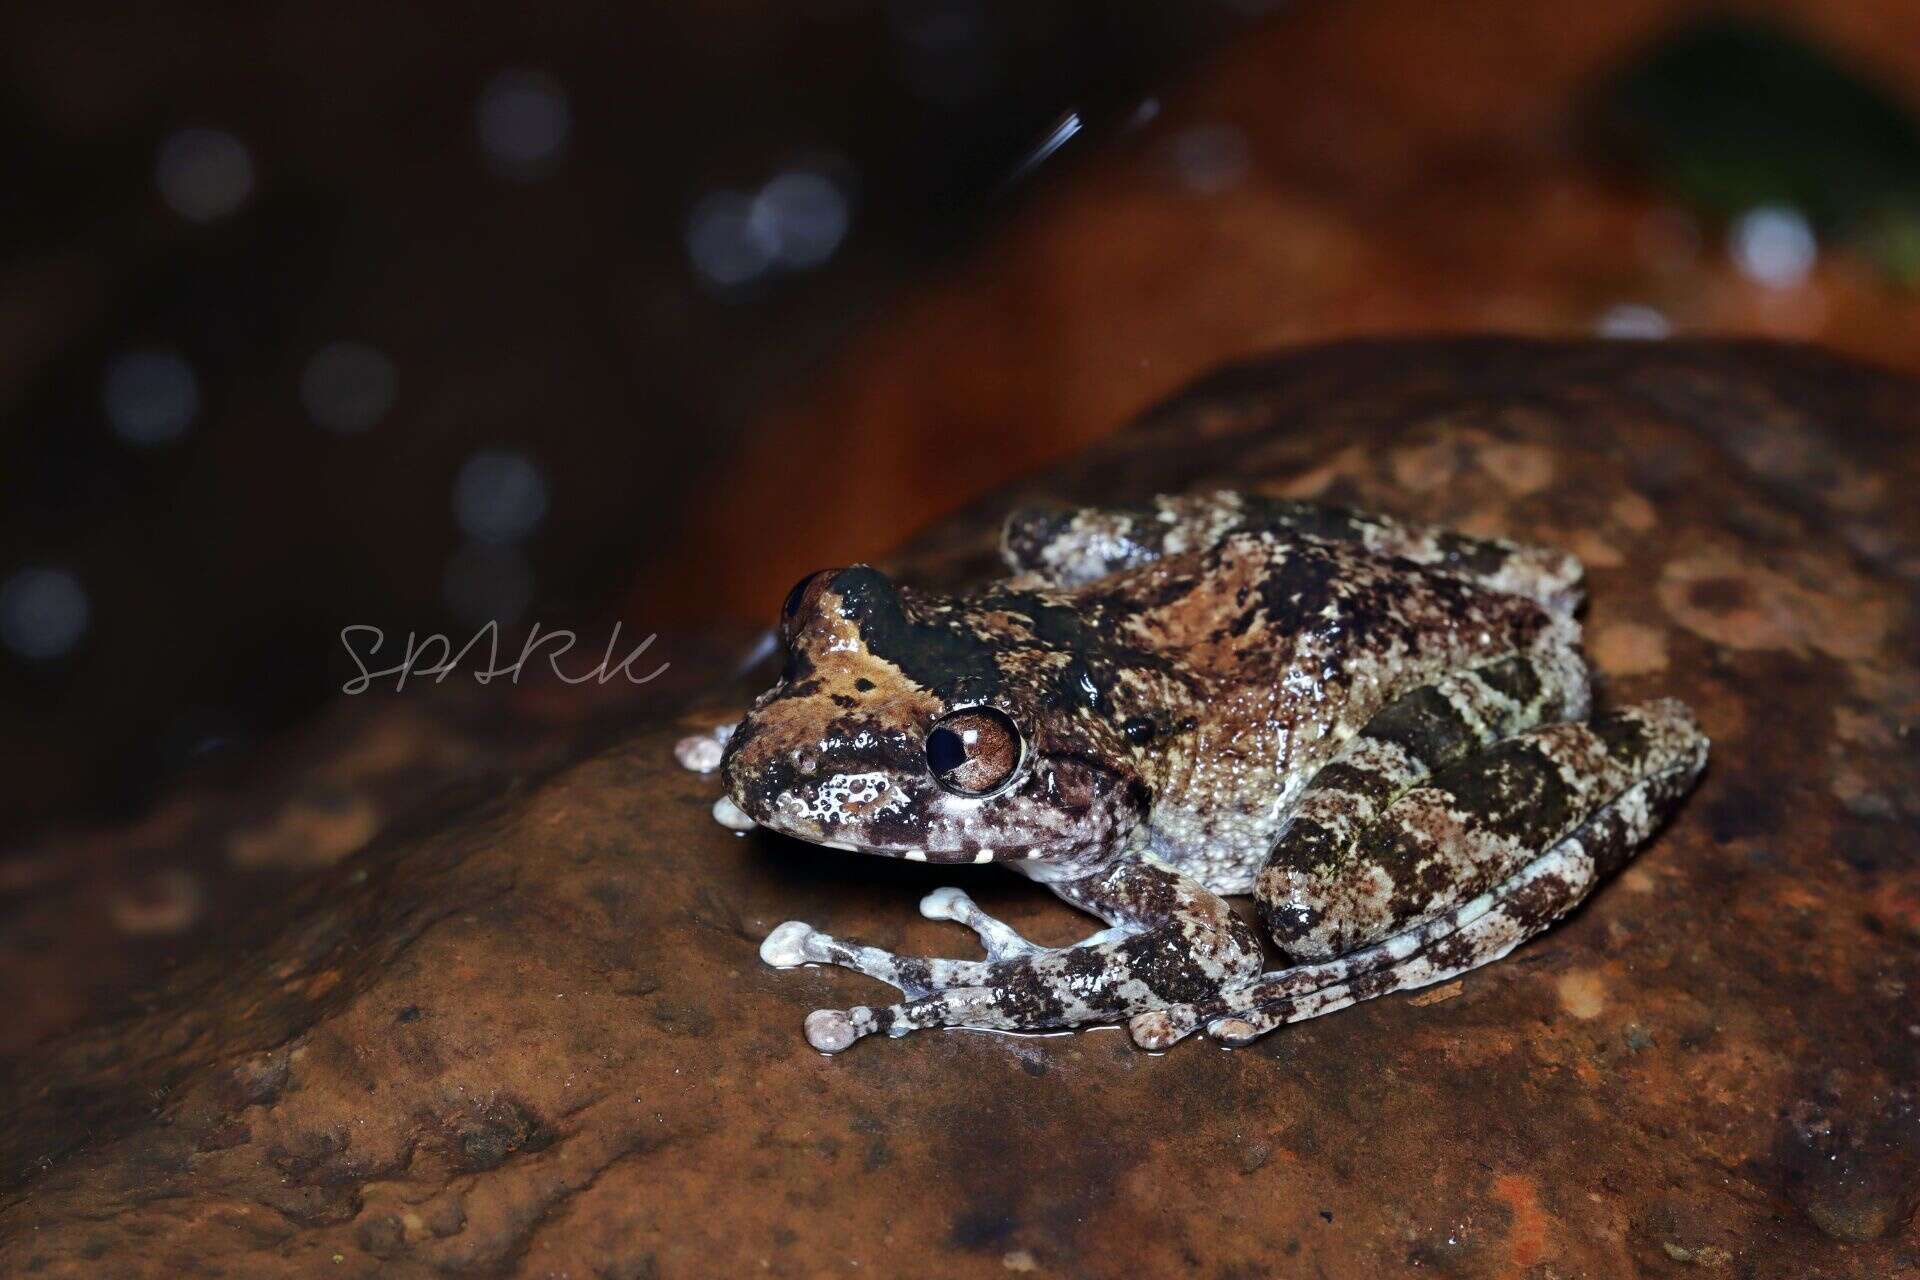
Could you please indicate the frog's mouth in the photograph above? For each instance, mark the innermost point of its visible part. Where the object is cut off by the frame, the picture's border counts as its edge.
(873, 813)
(915, 820)
(870, 789)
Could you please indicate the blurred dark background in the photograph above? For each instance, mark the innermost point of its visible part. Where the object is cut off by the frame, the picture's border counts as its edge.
(323, 315)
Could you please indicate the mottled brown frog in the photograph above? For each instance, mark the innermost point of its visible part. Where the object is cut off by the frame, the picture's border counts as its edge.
(1381, 731)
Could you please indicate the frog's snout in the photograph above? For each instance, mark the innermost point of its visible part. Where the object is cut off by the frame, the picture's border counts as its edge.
(747, 772)
(784, 783)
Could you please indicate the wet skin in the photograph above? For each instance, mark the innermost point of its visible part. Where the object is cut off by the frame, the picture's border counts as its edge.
(1381, 731)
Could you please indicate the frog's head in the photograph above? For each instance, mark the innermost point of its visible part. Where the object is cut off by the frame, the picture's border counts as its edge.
(927, 728)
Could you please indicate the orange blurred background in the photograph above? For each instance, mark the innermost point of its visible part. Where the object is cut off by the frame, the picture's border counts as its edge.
(1384, 166)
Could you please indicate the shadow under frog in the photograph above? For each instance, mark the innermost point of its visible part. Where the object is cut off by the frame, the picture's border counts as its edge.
(1382, 731)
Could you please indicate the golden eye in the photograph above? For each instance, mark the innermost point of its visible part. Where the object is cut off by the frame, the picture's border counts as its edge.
(974, 750)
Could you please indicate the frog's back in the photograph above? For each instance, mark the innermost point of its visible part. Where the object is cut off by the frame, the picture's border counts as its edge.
(1290, 645)
(1263, 607)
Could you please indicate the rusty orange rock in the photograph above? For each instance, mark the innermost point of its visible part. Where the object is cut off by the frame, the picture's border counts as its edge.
(534, 1037)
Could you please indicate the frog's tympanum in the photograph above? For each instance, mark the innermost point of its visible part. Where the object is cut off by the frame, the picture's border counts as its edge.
(1379, 730)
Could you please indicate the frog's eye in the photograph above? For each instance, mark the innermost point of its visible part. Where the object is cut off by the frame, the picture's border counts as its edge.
(798, 599)
(974, 750)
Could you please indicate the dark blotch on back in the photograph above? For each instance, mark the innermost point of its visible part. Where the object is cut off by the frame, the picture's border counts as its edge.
(1515, 790)
(1031, 530)
(1329, 524)
(1625, 736)
(1294, 596)
(1470, 555)
(1514, 677)
(1305, 845)
(1424, 725)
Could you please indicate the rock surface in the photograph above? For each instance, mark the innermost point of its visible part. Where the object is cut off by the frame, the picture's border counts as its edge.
(535, 1039)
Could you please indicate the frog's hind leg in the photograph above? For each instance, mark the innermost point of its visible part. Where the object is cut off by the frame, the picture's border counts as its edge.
(1549, 813)
(1319, 895)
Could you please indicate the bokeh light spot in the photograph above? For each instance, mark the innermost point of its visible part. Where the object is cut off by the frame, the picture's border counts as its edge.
(1211, 158)
(204, 174)
(1774, 244)
(499, 497)
(43, 612)
(348, 387)
(150, 397)
(1633, 320)
(801, 215)
(725, 247)
(524, 120)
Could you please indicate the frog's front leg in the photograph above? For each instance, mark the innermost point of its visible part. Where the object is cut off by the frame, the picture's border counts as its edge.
(796, 943)
(1172, 941)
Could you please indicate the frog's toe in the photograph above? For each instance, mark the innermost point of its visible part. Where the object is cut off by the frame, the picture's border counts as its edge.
(831, 1030)
(946, 904)
(1235, 1033)
(999, 938)
(701, 752)
(732, 816)
(791, 945)
(1160, 1029)
(1152, 1030)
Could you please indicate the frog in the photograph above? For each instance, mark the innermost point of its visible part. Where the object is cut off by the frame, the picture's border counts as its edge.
(1382, 731)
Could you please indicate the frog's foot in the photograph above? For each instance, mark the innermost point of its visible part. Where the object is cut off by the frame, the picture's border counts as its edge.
(1645, 759)
(796, 943)
(1000, 939)
(701, 752)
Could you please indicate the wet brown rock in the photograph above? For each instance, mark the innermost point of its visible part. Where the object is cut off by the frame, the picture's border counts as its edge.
(534, 1038)
(86, 916)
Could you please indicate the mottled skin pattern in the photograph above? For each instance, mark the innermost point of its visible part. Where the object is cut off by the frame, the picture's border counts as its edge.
(1379, 730)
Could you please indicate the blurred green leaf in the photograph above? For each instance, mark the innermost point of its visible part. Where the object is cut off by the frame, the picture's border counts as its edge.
(1729, 113)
